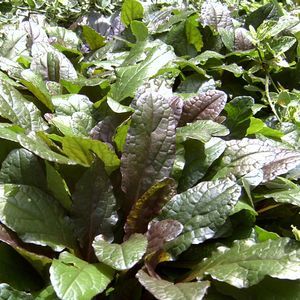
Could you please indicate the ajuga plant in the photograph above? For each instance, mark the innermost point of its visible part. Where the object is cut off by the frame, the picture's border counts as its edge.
(151, 152)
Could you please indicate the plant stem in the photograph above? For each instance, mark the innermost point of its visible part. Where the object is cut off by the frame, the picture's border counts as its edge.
(270, 101)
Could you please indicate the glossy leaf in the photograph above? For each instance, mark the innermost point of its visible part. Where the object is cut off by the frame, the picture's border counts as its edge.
(35, 255)
(15, 44)
(165, 290)
(244, 156)
(81, 150)
(205, 106)
(160, 232)
(37, 86)
(246, 263)
(35, 216)
(123, 256)
(50, 63)
(63, 36)
(36, 144)
(73, 278)
(290, 196)
(14, 107)
(202, 210)
(149, 152)
(129, 78)
(198, 158)
(201, 130)
(22, 167)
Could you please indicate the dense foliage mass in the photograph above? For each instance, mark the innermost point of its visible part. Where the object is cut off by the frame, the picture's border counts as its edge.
(149, 150)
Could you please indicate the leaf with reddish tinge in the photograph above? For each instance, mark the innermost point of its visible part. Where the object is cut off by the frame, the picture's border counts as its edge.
(160, 232)
(248, 155)
(148, 206)
(149, 152)
(206, 106)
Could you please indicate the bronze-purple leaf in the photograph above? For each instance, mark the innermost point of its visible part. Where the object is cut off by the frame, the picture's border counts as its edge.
(205, 106)
(160, 232)
(148, 206)
(149, 152)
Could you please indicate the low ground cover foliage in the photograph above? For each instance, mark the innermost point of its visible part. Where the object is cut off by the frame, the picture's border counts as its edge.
(149, 150)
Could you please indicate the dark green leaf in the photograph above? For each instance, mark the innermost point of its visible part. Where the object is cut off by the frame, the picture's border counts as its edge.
(16, 271)
(291, 196)
(94, 206)
(22, 167)
(35, 216)
(269, 288)
(239, 111)
(198, 158)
